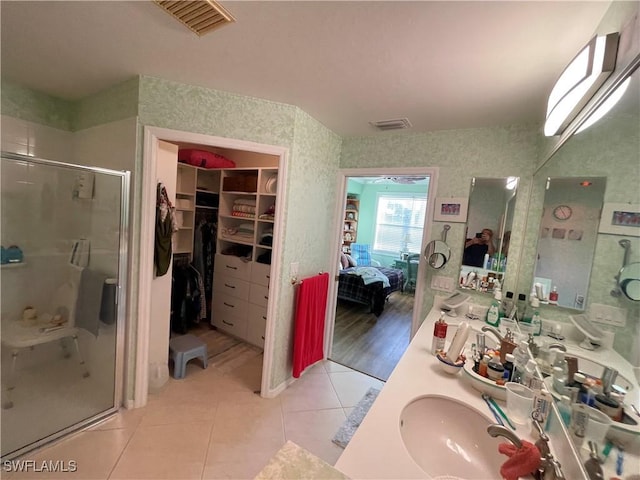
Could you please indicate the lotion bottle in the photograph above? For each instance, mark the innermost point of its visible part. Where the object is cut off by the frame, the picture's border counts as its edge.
(439, 334)
(493, 314)
(458, 342)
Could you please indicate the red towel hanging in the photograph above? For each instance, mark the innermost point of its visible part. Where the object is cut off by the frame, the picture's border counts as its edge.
(311, 308)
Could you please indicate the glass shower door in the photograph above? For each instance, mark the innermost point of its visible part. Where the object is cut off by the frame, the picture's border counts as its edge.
(63, 252)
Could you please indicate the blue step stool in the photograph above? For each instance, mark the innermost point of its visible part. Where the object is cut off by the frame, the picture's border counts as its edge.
(185, 348)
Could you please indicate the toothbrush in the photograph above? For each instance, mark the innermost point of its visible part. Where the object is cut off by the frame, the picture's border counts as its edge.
(493, 410)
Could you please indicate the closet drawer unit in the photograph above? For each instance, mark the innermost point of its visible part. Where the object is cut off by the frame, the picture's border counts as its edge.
(233, 266)
(227, 285)
(230, 305)
(260, 273)
(259, 295)
(232, 324)
(257, 325)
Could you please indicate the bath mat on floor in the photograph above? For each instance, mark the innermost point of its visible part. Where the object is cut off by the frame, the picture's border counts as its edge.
(352, 423)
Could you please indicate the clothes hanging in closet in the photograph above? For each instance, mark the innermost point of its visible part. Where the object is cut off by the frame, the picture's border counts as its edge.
(186, 298)
(204, 249)
(165, 227)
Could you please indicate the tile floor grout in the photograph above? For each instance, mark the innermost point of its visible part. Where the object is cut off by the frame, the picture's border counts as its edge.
(310, 412)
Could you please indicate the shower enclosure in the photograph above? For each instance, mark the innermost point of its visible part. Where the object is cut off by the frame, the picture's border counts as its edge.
(63, 234)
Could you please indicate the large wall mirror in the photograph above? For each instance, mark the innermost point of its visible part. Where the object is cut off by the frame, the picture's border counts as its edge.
(488, 233)
(607, 154)
(567, 239)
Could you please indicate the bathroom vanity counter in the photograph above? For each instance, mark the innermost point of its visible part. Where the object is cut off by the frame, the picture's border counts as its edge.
(377, 449)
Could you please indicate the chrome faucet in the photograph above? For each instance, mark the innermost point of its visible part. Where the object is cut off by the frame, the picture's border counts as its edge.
(501, 431)
(494, 331)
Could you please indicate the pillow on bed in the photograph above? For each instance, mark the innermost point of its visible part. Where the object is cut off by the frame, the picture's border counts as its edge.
(344, 261)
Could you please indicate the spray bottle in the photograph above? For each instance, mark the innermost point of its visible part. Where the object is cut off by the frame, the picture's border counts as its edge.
(439, 334)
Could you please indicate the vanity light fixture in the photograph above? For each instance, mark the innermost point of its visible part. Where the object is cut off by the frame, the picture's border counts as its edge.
(579, 81)
(607, 105)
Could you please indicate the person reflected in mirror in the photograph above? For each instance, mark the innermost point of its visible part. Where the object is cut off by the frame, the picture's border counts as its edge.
(477, 247)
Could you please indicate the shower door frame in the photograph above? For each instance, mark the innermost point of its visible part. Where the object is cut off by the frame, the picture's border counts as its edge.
(123, 250)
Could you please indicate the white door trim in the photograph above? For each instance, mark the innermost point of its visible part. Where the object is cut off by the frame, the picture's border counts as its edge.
(147, 221)
(343, 174)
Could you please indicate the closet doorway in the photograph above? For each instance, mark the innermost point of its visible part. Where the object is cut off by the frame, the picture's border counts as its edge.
(248, 179)
(382, 229)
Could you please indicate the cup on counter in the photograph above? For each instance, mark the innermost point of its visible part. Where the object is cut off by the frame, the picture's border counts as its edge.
(598, 426)
(519, 402)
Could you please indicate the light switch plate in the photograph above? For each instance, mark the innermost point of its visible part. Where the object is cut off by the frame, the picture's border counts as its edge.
(441, 283)
(607, 315)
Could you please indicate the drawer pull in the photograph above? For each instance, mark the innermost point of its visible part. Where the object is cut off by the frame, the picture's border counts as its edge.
(264, 318)
(227, 323)
(268, 277)
(232, 268)
(266, 298)
(229, 305)
(262, 337)
(229, 286)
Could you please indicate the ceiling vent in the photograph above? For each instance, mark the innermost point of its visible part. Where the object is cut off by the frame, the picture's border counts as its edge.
(200, 16)
(395, 124)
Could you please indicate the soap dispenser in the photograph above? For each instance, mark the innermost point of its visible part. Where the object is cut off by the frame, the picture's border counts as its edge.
(493, 314)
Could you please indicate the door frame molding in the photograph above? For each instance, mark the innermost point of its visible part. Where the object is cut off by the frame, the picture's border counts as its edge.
(341, 191)
(152, 135)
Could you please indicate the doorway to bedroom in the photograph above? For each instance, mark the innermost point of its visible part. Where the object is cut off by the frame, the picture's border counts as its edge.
(377, 291)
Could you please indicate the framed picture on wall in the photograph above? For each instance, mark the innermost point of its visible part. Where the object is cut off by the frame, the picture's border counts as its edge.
(451, 210)
(620, 219)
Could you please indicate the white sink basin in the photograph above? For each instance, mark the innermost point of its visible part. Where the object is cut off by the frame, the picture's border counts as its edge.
(448, 438)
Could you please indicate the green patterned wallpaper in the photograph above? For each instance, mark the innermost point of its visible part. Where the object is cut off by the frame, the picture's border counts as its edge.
(459, 156)
(312, 169)
(30, 105)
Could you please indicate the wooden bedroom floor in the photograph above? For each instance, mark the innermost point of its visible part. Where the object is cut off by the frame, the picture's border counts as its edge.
(369, 345)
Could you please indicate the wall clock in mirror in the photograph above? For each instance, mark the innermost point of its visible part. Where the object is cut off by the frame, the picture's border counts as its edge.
(562, 212)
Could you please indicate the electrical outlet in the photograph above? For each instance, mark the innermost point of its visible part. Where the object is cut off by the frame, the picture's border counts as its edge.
(608, 315)
(443, 284)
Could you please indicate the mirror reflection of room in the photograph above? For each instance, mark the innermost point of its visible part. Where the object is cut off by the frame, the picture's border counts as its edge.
(488, 233)
(568, 233)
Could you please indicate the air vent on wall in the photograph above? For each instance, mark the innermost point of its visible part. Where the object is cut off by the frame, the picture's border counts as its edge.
(200, 16)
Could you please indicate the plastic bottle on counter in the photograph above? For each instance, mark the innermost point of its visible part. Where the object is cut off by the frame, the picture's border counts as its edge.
(553, 296)
(439, 334)
(508, 366)
(578, 382)
(520, 359)
(536, 321)
(493, 314)
(458, 342)
(529, 373)
(484, 364)
(564, 407)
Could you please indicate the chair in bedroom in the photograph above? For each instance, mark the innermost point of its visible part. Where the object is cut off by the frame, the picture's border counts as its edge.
(361, 253)
(413, 261)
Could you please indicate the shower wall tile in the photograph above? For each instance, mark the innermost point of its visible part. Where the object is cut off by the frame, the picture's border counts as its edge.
(29, 138)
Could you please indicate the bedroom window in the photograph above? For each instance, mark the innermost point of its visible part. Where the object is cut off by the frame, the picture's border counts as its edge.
(399, 223)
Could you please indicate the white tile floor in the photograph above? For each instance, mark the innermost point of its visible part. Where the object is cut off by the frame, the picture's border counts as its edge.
(211, 425)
